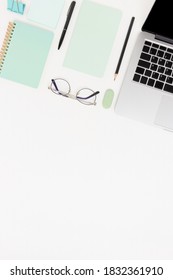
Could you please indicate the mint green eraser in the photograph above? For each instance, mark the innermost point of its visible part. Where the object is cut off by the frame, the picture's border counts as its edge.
(108, 98)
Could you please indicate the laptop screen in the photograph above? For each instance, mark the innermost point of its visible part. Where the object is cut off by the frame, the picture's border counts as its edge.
(159, 20)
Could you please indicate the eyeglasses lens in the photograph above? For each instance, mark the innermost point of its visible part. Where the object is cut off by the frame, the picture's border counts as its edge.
(60, 86)
(86, 97)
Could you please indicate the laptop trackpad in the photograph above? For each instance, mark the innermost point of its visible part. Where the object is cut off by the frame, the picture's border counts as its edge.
(164, 116)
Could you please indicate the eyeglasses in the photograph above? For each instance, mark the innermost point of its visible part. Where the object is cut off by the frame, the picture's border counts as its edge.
(62, 87)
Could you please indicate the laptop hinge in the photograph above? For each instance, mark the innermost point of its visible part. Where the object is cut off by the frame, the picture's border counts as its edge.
(164, 39)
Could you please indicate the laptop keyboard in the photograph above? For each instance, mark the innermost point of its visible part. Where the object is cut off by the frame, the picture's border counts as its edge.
(155, 67)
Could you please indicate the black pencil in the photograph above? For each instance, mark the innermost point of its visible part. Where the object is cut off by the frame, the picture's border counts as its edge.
(124, 47)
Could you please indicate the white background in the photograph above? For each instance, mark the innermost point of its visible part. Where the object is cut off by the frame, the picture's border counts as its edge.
(80, 182)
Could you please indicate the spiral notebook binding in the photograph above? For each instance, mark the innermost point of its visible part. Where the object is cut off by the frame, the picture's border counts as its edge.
(6, 43)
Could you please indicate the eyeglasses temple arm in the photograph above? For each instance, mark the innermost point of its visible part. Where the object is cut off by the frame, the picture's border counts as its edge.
(95, 93)
(53, 82)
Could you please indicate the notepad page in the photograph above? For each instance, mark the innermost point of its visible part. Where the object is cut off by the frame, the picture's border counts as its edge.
(45, 12)
(27, 54)
(92, 39)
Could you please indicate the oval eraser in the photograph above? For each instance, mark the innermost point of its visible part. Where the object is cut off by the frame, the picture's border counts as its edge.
(108, 98)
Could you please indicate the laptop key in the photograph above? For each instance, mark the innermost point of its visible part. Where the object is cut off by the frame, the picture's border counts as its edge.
(154, 59)
(155, 75)
(151, 82)
(168, 64)
(148, 73)
(168, 88)
(136, 78)
(140, 70)
(146, 49)
(168, 71)
(144, 64)
(155, 45)
(161, 61)
(167, 56)
(153, 67)
(170, 50)
(161, 69)
(162, 77)
(160, 53)
(147, 43)
(162, 48)
(158, 85)
(169, 80)
(143, 80)
(153, 51)
(145, 56)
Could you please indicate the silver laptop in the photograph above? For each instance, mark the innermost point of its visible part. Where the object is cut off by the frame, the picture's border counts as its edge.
(147, 89)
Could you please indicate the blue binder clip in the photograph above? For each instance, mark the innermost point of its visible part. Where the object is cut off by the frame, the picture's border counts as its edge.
(16, 6)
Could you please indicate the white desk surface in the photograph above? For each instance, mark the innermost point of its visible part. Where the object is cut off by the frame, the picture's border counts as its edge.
(80, 182)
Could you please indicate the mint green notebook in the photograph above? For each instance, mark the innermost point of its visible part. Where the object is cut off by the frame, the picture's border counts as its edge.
(24, 53)
(93, 38)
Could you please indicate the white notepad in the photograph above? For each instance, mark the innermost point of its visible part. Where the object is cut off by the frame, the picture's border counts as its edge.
(45, 12)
